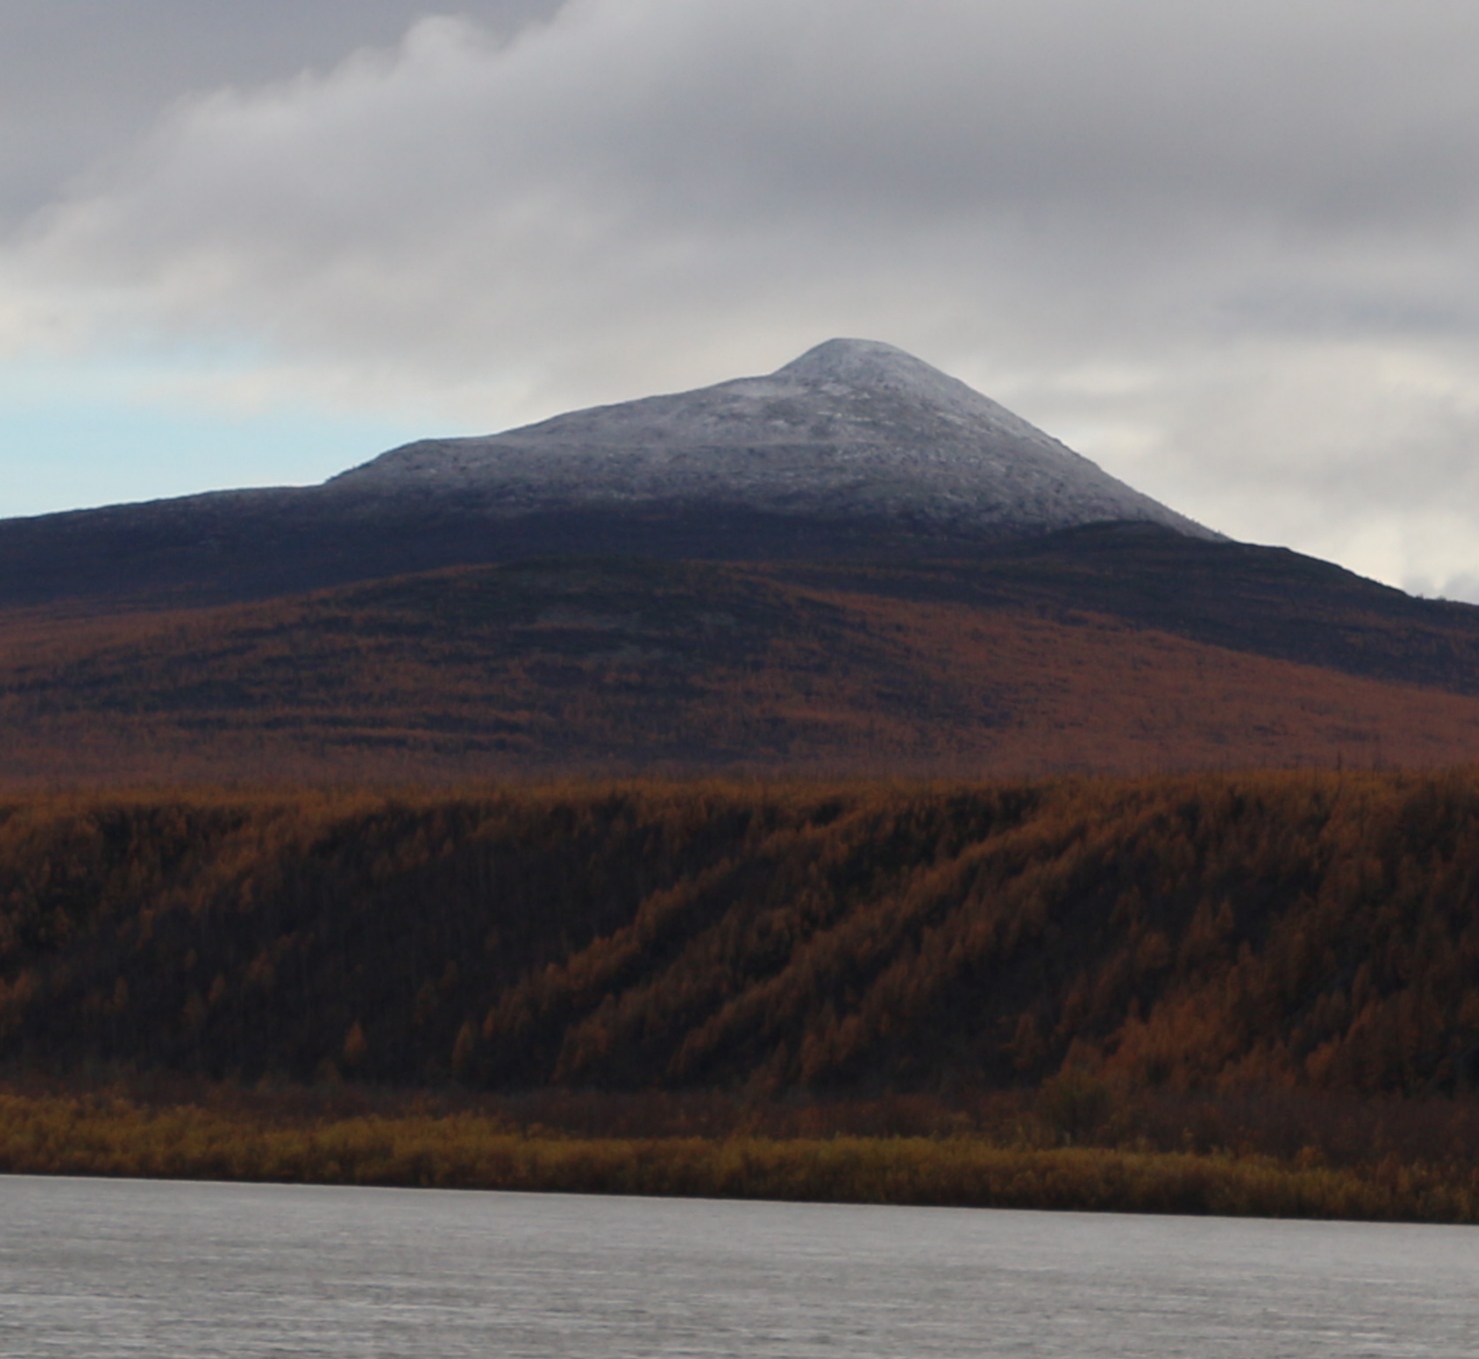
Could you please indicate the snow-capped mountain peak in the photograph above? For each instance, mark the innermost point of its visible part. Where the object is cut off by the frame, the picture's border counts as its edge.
(852, 429)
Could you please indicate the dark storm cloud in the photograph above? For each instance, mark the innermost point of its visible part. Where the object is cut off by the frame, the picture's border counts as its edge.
(1228, 249)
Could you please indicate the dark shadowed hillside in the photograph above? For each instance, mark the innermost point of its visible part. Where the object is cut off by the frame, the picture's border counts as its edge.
(1261, 600)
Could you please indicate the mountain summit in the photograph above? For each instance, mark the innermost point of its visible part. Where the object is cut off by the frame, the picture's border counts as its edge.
(851, 430)
(855, 451)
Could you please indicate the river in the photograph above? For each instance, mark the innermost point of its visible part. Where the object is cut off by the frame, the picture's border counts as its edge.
(165, 1270)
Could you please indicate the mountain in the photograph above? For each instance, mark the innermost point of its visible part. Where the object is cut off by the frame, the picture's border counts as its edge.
(852, 431)
(855, 564)
(854, 451)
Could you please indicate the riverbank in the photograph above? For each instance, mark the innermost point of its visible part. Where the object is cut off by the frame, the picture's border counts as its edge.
(115, 1136)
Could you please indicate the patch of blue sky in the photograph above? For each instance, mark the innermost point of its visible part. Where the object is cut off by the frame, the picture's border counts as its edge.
(72, 438)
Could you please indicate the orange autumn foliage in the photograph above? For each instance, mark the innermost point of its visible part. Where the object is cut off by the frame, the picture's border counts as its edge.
(1214, 933)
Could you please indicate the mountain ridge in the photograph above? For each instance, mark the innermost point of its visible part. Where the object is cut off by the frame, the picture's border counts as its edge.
(855, 450)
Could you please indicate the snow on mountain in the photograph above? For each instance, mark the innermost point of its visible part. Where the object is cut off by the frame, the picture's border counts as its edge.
(851, 429)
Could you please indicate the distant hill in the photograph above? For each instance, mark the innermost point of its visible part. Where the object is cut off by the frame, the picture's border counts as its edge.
(1105, 650)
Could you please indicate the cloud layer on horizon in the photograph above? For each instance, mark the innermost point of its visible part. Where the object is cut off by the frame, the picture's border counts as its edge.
(1227, 252)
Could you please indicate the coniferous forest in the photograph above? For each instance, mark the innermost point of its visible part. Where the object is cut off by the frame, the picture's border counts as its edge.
(1277, 965)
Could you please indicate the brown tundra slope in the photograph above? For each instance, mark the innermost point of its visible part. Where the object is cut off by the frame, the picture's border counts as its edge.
(1007, 666)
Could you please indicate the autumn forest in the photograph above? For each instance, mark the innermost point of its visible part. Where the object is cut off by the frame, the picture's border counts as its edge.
(1275, 961)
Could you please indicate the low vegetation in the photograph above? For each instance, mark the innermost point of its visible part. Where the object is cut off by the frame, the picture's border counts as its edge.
(268, 1140)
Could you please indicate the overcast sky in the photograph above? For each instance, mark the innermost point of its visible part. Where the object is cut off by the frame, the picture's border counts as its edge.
(1231, 252)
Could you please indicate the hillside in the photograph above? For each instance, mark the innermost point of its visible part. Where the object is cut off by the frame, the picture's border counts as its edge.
(1250, 932)
(623, 666)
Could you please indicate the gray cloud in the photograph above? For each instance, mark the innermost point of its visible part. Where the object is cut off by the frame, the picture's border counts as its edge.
(1228, 251)
(80, 79)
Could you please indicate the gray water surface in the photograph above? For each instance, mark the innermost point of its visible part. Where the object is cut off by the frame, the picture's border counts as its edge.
(116, 1267)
